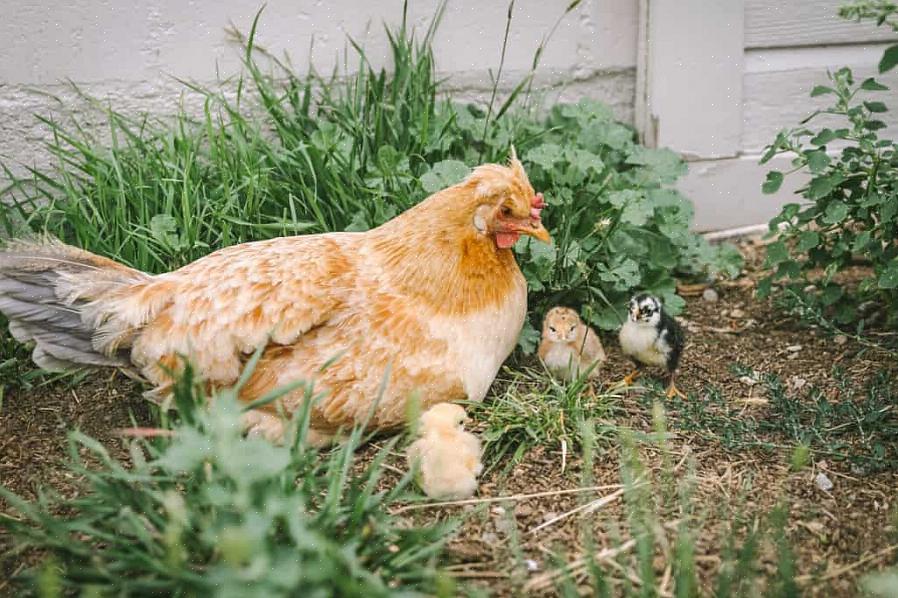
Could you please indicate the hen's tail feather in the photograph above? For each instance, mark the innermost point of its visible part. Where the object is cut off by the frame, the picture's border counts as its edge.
(48, 292)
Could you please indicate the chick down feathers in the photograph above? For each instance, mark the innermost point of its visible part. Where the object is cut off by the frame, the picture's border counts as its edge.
(447, 456)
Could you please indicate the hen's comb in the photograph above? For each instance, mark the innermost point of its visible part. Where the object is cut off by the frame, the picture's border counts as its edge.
(536, 205)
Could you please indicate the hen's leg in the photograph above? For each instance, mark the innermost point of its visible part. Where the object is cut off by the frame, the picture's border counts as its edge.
(672, 390)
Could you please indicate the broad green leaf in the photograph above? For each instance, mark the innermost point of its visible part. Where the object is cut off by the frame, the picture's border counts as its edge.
(822, 186)
(637, 213)
(817, 161)
(831, 294)
(861, 241)
(835, 212)
(823, 137)
(889, 59)
(807, 240)
(625, 197)
(528, 340)
(820, 90)
(545, 155)
(623, 276)
(876, 107)
(773, 182)
(584, 160)
(872, 84)
(608, 134)
(444, 174)
(665, 164)
(777, 252)
(359, 223)
(543, 256)
(888, 279)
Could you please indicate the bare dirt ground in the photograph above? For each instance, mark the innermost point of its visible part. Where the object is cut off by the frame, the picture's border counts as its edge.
(731, 439)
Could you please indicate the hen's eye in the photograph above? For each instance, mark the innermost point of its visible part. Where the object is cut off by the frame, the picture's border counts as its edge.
(552, 328)
(506, 211)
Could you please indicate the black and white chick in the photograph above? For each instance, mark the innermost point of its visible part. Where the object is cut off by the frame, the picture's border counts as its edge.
(651, 337)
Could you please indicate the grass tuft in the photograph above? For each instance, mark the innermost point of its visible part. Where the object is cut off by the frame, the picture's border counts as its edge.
(210, 511)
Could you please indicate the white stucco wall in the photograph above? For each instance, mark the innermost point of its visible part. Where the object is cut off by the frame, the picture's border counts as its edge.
(133, 52)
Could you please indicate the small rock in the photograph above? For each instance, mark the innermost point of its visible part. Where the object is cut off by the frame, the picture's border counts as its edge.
(505, 526)
(531, 565)
(840, 339)
(489, 538)
(523, 510)
(710, 295)
(823, 482)
(497, 510)
(809, 289)
(737, 313)
(796, 383)
(549, 516)
(747, 380)
(794, 348)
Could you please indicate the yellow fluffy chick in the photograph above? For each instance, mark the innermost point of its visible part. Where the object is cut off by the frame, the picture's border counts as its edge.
(447, 455)
(569, 347)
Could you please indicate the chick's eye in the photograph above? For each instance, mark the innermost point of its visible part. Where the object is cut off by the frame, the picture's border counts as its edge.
(506, 211)
(552, 328)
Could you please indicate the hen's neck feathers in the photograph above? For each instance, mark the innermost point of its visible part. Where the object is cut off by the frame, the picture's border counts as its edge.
(433, 252)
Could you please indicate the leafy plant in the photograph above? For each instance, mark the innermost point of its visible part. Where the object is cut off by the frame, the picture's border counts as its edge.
(851, 212)
(279, 153)
(204, 510)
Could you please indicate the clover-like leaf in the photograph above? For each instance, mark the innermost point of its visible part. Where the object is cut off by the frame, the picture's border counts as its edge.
(444, 174)
(545, 155)
(888, 278)
(773, 182)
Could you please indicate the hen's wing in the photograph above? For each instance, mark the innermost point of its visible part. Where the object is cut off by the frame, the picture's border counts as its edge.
(221, 308)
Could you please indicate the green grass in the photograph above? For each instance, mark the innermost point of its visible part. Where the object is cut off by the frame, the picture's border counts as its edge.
(529, 408)
(661, 527)
(857, 427)
(210, 511)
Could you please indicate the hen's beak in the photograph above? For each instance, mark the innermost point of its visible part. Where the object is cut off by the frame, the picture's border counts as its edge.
(541, 233)
(526, 226)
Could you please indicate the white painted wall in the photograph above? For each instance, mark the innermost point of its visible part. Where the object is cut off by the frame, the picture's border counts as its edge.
(716, 82)
(131, 52)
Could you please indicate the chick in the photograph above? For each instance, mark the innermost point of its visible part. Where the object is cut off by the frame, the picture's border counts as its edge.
(568, 346)
(447, 455)
(651, 337)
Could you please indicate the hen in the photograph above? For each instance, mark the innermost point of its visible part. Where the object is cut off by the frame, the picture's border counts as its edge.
(433, 299)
